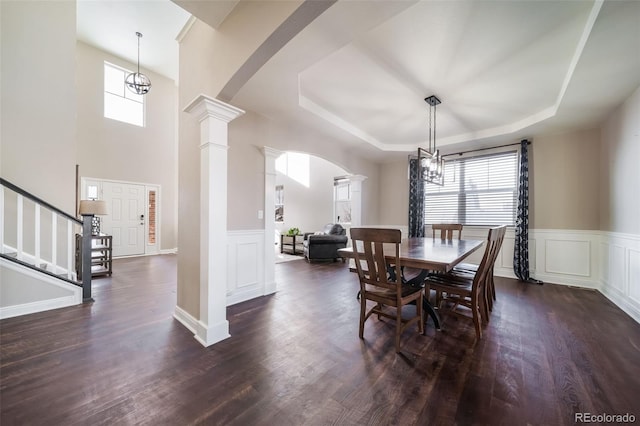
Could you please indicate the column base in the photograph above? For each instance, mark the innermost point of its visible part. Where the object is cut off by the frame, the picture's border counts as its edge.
(207, 335)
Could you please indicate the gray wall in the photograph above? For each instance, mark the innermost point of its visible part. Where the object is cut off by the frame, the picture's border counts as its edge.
(564, 180)
(620, 176)
(564, 175)
(38, 95)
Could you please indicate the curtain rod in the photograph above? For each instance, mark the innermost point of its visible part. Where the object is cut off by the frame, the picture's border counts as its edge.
(484, 149)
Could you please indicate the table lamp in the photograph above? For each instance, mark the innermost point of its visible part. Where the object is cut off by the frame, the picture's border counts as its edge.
(93, 208)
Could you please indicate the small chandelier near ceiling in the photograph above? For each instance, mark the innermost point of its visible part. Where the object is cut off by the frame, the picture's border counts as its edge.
(430, 162)
(137, 82)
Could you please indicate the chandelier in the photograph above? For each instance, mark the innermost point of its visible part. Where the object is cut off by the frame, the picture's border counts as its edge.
(430, 162)
(137, 82)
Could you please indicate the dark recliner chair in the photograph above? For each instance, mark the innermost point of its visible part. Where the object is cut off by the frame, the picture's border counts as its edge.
(325, 245)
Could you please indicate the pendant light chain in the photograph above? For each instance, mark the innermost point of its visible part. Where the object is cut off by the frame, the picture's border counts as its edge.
(434, 129)
(139, 36)
(430, 145)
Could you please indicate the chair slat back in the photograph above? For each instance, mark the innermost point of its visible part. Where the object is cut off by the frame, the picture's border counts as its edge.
(369, 254)
(492, 248)
(446, 230)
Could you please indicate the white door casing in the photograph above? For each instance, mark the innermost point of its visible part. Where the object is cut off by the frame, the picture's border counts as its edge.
(128, 221)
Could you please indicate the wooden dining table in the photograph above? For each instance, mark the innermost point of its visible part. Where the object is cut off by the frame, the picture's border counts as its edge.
(427, 255)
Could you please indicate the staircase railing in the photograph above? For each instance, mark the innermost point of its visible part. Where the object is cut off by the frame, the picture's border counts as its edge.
(27, 215)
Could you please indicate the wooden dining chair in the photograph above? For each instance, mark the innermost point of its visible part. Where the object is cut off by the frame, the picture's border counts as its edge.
(471, 269)
(377, 285)
(469, 291)
(446, 233)
(446, 230)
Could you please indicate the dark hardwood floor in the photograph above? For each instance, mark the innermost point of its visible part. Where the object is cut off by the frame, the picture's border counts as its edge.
(294, 358)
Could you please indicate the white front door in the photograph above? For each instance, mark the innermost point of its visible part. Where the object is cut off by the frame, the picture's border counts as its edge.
(126, 220)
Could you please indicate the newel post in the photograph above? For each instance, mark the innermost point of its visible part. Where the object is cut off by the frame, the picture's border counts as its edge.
(86, 258)
(214, 117)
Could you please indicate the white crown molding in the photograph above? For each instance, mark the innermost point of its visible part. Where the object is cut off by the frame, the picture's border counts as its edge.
(203, 106)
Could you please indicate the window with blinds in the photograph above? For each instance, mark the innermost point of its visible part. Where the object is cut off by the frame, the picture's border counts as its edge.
(477, 191)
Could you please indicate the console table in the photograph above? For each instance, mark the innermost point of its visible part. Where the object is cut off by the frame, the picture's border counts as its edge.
(293, 243)
(101, 255)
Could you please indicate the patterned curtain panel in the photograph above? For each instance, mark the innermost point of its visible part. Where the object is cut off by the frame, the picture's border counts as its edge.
(416, 201)
(521, 245)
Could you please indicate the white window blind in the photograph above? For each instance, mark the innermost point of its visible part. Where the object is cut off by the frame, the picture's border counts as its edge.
(477, 191)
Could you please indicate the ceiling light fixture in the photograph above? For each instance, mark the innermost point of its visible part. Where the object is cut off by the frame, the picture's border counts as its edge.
(430, 161)
(137, 82)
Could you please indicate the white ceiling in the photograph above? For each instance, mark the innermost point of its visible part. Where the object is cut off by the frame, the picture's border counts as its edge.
(360, 71)
(111, 25)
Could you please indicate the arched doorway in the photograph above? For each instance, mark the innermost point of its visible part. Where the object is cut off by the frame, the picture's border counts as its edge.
(306, 197)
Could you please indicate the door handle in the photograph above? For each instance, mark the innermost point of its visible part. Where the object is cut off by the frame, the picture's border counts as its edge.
(141, 219)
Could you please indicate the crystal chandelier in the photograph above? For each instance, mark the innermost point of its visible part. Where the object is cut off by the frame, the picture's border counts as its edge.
(430, 161)
(137, 82)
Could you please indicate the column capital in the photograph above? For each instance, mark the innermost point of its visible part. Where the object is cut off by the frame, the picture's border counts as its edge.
(204, 107)
(356, 178)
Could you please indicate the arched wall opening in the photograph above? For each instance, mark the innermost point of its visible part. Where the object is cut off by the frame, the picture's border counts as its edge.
(304, 186)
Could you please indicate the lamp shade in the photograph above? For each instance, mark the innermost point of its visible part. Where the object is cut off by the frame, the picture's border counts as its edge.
(93, 207)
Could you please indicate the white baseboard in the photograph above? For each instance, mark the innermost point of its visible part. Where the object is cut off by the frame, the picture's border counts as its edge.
(186, 319)
(33, 307)
(169, 251)
(206, 335)
(622, 302)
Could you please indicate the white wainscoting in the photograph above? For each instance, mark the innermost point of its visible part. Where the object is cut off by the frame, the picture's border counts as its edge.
(565, 256)
(245, 270)
(555, 256)
(608, 262)
(620, 271)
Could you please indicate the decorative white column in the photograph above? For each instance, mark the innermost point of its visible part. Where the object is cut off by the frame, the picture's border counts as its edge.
(214, 117)
(270, 157)
(356, 199)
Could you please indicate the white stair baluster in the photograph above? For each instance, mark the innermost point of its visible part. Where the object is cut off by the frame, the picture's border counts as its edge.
(19, 222)
(69, 249)
(37, 235)
(54, 242)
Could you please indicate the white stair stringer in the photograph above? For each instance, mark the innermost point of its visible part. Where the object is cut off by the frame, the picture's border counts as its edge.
(26, 291)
